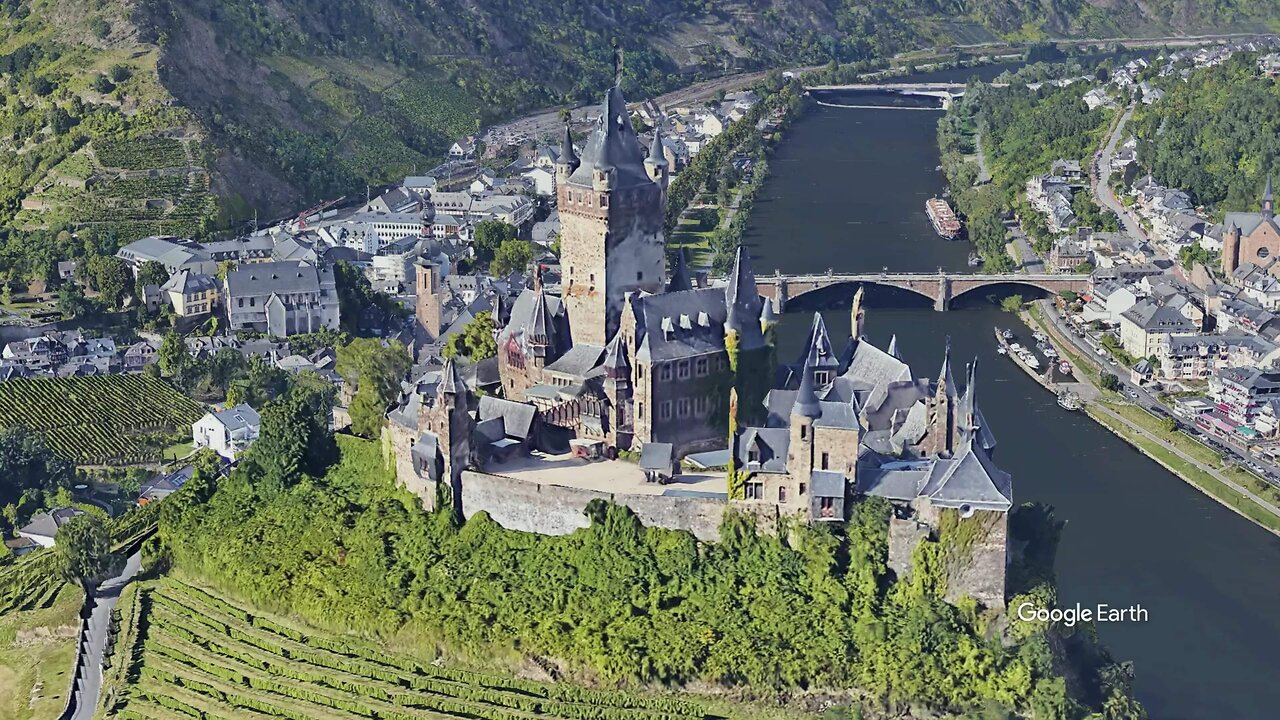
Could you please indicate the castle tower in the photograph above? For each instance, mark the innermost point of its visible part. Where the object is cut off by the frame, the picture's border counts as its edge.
(455, 432)
(656, 164)
(940, 438)
(428, 308)
(1230, 248)
(539, 332)
(742, 303)
(617, 388)
(611, 226)
(568, 160)
(801, 427)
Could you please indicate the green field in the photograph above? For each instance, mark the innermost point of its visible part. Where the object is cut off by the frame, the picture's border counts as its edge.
(37, 649)
(184, 652)
(100, 419)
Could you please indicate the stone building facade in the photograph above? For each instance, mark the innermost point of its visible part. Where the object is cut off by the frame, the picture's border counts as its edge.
(1252, 238)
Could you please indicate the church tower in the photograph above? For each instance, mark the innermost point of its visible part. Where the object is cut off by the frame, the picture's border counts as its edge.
(428, 308)
(612, 211)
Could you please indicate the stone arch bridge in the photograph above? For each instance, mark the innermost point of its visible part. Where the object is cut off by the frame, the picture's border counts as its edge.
(940, 287)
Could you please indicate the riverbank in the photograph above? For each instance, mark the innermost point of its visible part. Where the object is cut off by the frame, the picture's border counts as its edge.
(1171, 449)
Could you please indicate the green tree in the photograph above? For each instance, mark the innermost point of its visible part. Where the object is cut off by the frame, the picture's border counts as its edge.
(512, 255)
(111, 277)
(489, 236)
(72, 302)
(1012, 304)
(295, 438)
(375, 370)
(27, 463)
(172, 356)
(1169, 425)
(83, 549)
(151, 273)
(476, 342)
(1110, 382)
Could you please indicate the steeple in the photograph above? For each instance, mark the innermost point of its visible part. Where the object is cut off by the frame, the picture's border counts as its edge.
(742, 302)
(539, 327)
(451, 383)
(568, 156)
(615, 364)
(1268, 198)
(806, 396)
(857, 315)
(818, 352)
(656, 164)
(768, 316)
(968, 414)
(679, 274)
(893, 347)
(946, 382)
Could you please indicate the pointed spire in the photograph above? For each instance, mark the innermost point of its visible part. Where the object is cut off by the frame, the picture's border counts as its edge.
(947, 382)
(806, 396)
(856, 315)
(1268, 198)
(615, 359)
(568, 156)
(768, 316)
(656, 156)
(450, 379)
(742, 302)
(893, 347)
(680, 273)
(969, 401)
(538, 329)
(818, 350)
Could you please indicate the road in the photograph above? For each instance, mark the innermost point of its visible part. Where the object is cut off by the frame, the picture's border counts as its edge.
(547, 124)
(1231, 450)
(104, 601)
(1101, 181)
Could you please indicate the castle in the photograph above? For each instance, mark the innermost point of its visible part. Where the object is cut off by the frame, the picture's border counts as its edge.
(632, 358)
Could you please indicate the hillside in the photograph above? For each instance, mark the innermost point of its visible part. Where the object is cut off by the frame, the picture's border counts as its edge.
(133, 117)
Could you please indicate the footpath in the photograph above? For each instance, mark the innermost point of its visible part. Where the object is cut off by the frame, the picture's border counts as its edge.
(1209, 480)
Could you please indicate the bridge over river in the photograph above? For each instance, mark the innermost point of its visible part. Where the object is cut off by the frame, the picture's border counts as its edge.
(940, 287)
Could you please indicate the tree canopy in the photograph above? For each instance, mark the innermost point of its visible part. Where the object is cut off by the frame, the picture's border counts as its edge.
(375, 370)
(83, 548)
(476, 341)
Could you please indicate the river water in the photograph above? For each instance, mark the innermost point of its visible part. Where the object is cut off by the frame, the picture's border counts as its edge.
(847, 191)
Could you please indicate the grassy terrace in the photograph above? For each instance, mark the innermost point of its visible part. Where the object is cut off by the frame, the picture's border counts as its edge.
(37, 648)
(186, 652)
(1192, 474)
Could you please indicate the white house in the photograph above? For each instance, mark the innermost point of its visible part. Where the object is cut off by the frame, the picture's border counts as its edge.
(44, 526)
(227, 432)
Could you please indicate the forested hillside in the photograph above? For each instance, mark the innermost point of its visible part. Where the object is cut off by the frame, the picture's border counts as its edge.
(135, 117)
(1216, 136)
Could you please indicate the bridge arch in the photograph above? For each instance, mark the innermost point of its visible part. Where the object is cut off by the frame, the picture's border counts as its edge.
(961, 288)
(798, 292)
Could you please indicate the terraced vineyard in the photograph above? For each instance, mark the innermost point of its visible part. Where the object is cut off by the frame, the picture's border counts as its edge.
(100, 419)
(190, 654)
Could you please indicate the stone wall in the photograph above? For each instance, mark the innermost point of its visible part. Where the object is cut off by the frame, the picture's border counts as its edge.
(557, 510)
(981, 575)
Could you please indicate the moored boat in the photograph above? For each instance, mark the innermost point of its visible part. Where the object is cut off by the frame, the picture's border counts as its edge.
(943, 218)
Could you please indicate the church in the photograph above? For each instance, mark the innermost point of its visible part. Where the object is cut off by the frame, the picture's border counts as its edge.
(1251, 240)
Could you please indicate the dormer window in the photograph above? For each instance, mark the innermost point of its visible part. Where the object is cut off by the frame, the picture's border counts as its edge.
(821, 377)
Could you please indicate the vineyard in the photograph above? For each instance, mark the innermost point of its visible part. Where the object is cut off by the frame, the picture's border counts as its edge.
(140, 153)
(104, 419)
(189, 654)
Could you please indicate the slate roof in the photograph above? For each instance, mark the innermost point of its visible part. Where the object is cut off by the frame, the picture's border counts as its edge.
(187, 283)
(517, 418)
(46, 524)
(657, 344)
(969, 479)
(772, 444)
(657, 456)
(578, 361)
(282, 277)
(239, 417)
(1152, 317)
(613, 146)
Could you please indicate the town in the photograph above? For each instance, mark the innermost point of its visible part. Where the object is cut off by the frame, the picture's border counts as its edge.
(559, 333)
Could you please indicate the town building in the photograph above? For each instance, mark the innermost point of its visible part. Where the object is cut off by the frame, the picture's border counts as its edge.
(167, 251)
(227, 432)
(43, 527)
(191, 294)
(281, 298)
(1239, 394)
(1146, 327)
(1252, 238)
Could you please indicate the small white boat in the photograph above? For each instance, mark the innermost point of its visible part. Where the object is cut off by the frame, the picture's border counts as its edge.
(1017, 348)
(1007, 334)
(1031, 360)
(1002, 350)
(1049, 352)
(1064, 367)
(1039, 336)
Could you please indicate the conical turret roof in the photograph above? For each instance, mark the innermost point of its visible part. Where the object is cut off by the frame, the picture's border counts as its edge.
(568, 156)
(450, 379)
(613, 146)
(656, 156)
(742, 301)
(680, 273)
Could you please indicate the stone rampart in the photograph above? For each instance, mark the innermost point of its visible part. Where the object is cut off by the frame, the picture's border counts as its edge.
(558, 510)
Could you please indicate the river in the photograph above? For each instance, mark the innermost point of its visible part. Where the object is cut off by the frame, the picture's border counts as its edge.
(847, 191)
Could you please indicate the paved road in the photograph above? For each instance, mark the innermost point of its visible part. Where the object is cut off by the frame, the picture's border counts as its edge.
(1227, 447)
(104, 599)
(1101, 177)
(1212, 472)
